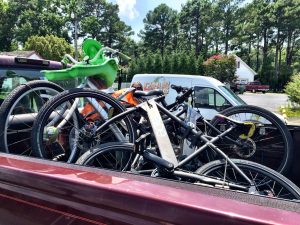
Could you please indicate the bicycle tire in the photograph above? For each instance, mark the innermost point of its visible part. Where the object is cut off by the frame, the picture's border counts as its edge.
(76, 136)
(35, 92)
(255, 171)
(275, 136)
(104, 156)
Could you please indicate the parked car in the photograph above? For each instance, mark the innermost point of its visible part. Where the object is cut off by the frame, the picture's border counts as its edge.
(256, 86)
(16, 70)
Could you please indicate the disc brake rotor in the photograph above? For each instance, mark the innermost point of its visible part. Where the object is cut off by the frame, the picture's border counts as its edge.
(247, 149)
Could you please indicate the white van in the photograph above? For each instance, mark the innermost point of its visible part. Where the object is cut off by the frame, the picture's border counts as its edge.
(211, 96)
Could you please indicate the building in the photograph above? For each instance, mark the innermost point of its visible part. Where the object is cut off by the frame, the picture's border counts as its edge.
(244, 73)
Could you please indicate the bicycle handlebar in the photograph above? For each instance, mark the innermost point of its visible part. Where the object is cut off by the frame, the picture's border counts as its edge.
(178, 88)
(123, 56)
(180, 99)
(71, 59)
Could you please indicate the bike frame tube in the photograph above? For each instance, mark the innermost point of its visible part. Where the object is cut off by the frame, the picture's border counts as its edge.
(209, 143)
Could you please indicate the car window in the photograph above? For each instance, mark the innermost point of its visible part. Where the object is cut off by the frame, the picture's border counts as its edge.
(10, 78)
(209, 98)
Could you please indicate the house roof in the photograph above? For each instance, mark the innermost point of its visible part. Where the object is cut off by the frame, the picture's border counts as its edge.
(26, 54)
(245, 64)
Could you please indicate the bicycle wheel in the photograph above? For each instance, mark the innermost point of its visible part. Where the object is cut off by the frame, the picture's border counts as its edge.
(113, 156)
(268, 182)
(67, 125)
(18, 112)
(270, 145)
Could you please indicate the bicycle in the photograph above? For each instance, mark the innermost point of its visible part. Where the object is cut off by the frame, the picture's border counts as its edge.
(241, 175)
(20, 108)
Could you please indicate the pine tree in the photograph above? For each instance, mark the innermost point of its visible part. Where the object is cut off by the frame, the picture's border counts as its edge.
(158, 63)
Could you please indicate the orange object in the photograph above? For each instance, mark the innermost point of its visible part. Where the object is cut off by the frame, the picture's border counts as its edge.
(127, 98)
(89, 109)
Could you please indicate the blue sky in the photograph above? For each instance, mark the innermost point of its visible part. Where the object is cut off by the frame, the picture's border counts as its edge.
(132, 12)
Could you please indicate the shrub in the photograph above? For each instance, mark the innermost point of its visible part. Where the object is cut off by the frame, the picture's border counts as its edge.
(292, 89)
(220, 67)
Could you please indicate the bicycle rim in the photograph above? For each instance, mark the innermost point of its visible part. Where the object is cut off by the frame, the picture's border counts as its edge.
(60, 138)
(19, 111)
(270, 145)
(267, 181)
(113, 156)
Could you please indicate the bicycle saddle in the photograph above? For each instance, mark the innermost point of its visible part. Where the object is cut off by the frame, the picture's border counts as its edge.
(246, 128)
(148, 93)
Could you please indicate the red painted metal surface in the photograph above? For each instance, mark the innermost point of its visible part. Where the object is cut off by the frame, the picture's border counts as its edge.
(37, 192)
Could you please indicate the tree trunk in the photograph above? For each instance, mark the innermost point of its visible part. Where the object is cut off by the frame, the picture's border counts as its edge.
(276, 57)
(197, 36)
(265, 47)
(257, 55)
(288, 48)
(249, 53)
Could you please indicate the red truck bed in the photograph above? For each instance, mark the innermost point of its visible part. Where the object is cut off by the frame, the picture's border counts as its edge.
(256, 87)
(34, 191)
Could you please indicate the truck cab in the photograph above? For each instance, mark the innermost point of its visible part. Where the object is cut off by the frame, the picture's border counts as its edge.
(210, 95)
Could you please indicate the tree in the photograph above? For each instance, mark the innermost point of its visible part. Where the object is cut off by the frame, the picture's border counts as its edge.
(158, 63)
(222, 68)
(49, 47)
(103, 23)
(167, 64)
(200, 65)
(194, 20)
(292, 89)
(10, 15)
(175, 63)
(40, 18)
(192, 64)
(160, 28)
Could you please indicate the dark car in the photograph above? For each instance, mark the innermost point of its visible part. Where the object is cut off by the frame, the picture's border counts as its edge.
(16, 70)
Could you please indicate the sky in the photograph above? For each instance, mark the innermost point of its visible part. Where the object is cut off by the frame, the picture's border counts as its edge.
(132, 12)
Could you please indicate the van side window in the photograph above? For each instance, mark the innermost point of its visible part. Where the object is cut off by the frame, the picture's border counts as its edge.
(209, 98)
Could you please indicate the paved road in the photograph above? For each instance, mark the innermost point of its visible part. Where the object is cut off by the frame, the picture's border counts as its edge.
(269, 101)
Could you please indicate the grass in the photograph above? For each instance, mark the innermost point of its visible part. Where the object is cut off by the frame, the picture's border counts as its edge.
(290, 112)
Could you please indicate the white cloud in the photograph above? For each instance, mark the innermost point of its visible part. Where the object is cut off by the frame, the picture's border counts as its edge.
(127, 8)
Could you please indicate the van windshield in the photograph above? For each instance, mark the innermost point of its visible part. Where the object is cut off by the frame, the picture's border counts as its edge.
(233, 96)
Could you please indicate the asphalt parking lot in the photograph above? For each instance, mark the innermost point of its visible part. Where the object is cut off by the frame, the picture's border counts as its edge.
(269, 101)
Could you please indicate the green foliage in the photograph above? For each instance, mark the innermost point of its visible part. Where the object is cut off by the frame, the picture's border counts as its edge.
(161, 28)
(292, 89)
(39, 18)
(158, 63)
(49, 47)
(103, 23)
(264, 33)
(195, 18)
(176, 63)
(167, 64)
(200, 65)
(222, 68)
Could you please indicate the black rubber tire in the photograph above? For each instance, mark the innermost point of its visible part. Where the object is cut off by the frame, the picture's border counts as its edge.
(6, 110)
(66, 96)
(95, 157)
(285, 157)
(211, 168)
